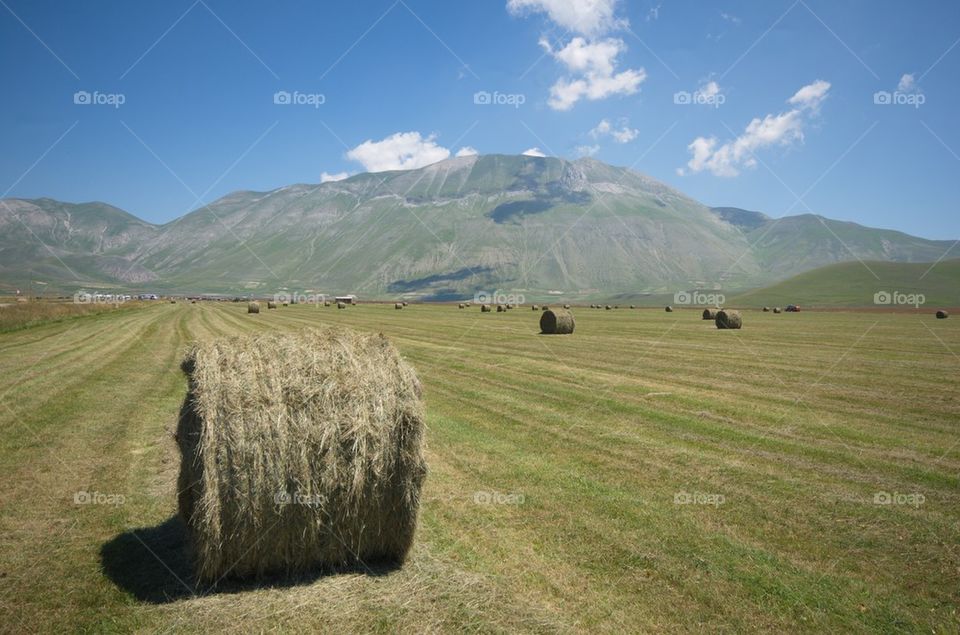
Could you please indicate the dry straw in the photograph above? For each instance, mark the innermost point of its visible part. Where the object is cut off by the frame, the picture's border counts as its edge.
(710, 314)
(398, 305)
(253, 307)
(556, 322)
(341, 305)
(942, 315)
(669, 309)
(728, 319)
(485, 308)
(271, 305)
(299, 451)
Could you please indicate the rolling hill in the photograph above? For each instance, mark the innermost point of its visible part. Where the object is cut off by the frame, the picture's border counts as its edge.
(535, 224)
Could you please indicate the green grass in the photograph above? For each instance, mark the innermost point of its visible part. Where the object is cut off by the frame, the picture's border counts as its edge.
(798, 421)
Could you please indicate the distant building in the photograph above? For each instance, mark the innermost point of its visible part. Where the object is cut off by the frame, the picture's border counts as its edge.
(346, 299)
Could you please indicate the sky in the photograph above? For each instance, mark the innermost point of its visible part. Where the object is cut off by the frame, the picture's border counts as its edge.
(845, 108)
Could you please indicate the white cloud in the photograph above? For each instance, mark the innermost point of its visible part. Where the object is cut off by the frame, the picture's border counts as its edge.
(589, 17)
(709, 90)
(594, 67)
(467, 151)
(533, 152)
(624, 134)
(326, 177)
(782, 129)
(729, 17)
(907, 84)
(587, 151)
(399, 151)
(654, 13)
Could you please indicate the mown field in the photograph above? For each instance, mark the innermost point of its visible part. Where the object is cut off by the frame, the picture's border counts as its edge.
(647, 474)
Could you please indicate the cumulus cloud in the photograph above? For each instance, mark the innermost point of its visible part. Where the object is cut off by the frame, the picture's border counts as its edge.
(729, 17)
(326, 177)
(588, 17)
(587, 151)
(533, 152)
(908, 84)
(467, 151)
(593, 72)
(623, 134)
(399, 151)
(781, 129)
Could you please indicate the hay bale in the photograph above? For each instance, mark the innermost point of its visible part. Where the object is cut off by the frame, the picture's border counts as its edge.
(461, 306)
(510, 306)
(545, 307)
(942, 315)
(766, 309)
(556, 322)
(485, 308)
(193, 301)
(669, 309)
(710, 314)
(286, 304)
(609, 307)
(776, 309)
(566, 306)
(326, 303)
(728, 319)
(271, 305)
(171, 301)
(253, 307)
(404, 303)
(501, 308)
(398, 305)
(341, 305)
(291, 461)
(632, 306)
(534, 308)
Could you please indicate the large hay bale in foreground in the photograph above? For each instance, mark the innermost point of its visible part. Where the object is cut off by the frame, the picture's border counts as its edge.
(253, 307)
(942, 315)
(299, 452)
(556, 322)
(710, 314)
(271, 305)
(485, 308)
(728, 319)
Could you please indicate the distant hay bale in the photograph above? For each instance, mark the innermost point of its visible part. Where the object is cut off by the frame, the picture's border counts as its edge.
(545, 308)
(341, 305)
(172, 301)
(710, 314)
(398, 305)
(461, 306)
(253, 307)
(609, 308)
(501, 308)
(534, 307)
(728, 319)
(776, 309)
(485, 308)
(942, 315)
(193, 301)
(668, 309)
(286, 304)
(510, 306)
(271, 305)
(566, 306)
(404, 303)
(293, 462)
(326, 303)
(766, 309)
(632, 306)
(556, 322)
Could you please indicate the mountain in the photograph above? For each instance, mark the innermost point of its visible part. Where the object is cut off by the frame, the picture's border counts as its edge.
(856, 283)
(446, 230)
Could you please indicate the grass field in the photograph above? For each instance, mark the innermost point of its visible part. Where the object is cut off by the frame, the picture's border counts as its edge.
(646, 474)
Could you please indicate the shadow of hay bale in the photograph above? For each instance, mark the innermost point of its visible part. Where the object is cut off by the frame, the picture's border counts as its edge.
(153, 564)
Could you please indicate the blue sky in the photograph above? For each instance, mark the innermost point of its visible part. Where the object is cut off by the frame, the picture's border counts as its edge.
(198, 81)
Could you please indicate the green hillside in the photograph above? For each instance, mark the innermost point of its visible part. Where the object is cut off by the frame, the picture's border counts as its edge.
(850, 284)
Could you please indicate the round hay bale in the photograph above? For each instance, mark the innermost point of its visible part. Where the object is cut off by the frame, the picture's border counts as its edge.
(669, 309)
(632, 306)
(501, 308)
(253, 307)
(556, 322)
(173, 301)
(271, 305)
(286, 304)
(710, 314)
(341, 305)
(485, 308)
(193, 301)
(776, 309)
(511, 306)
(545, 308)
(461, 306)
(326, 303)
(534, 308)
(766, 309)
(566, 306)
(404, 303)
(398, 305)
(942, 315)
(728, 319)
(294, 462)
